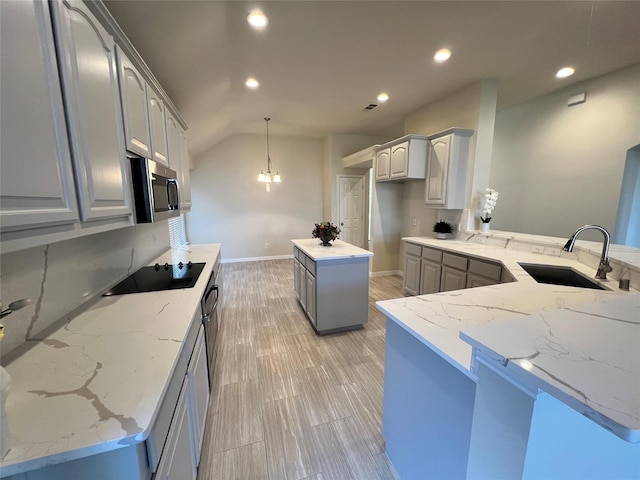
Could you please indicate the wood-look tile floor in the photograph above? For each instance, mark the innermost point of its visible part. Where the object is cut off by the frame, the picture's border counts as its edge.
(289, 404)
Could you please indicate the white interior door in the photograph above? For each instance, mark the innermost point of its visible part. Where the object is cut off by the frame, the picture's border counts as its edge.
(351, 208)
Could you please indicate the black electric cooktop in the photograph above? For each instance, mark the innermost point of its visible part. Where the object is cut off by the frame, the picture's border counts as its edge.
(159, 277)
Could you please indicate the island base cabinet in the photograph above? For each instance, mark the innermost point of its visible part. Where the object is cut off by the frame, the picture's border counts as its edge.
(536, 436)
(427, 409)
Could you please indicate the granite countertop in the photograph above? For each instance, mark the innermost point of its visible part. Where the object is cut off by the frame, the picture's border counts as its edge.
(563, 353)
(338, 249)
(97, 381)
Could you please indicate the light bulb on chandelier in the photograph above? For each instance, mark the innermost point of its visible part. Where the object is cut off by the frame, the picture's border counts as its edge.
(269, 177)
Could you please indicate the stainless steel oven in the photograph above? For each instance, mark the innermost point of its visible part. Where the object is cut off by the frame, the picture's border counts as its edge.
(211, 310)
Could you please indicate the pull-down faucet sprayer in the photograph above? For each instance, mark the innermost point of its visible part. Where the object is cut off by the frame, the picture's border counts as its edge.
(604, 266)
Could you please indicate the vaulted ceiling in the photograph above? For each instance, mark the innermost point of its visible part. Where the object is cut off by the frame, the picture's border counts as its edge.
(320, 62)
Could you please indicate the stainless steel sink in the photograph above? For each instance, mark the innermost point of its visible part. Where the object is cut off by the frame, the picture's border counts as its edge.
(559, 275)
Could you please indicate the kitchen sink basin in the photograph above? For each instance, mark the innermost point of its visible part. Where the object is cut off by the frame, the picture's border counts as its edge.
(559, 275)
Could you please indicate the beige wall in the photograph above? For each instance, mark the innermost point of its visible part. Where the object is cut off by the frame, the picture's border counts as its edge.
(231, 207)
(558, 167)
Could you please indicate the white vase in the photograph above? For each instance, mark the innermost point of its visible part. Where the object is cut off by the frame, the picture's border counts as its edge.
(484, 227)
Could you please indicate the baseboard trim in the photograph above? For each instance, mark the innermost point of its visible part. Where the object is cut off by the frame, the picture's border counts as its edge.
(255, 259)
(385, 273)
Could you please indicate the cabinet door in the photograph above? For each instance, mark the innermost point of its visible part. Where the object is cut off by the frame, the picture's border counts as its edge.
(399, 162)
(37, 178)
(92, 98)
(382, 164)
(177, 456)
(430, 277)
(452, 279)
(296, 277)
(302, 278)
(173, 143)
(133, 89)
(438, 171)
(198, 393)
(474, 280)
(157, 123)
(185, 174)
(311, 297)
(411, 280)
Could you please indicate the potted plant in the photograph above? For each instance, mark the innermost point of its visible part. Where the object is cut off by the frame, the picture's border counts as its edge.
(490, 200)
(443, 229)
(325, 231)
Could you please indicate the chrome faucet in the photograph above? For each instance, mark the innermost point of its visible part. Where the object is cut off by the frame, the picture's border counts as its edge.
(604, 266)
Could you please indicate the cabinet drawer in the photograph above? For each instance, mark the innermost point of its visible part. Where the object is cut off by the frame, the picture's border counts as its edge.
(311, 265)
(412, 249)
(432, 254)
(454, 261)
(485, 269)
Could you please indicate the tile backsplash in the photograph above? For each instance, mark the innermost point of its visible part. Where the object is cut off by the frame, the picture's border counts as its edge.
(61, 276)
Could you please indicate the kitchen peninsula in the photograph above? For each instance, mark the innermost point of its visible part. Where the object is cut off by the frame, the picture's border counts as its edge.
(430, 387)
(332, 284)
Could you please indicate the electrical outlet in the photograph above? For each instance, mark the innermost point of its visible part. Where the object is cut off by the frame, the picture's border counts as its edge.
(552, 251)
(480, 239)
(266, 245)
(537, 249)
(154, 238)
(414, 221)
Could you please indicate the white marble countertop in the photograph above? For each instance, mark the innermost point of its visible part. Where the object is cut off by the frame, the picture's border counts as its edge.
(96, 382)
(587, 356)
(338, 249)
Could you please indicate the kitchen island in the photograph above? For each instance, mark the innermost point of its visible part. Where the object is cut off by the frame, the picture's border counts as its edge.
(332, 284)
(93, 397)
(430, 389)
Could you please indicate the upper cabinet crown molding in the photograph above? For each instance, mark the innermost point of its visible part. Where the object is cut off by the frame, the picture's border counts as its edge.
(401, 159)
(447, 167)
(104, 16)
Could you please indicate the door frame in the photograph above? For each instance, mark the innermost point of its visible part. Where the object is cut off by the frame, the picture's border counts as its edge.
(364, 204)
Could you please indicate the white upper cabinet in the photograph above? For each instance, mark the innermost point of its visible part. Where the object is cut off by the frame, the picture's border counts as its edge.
(446, 180)
(157, 122)
(92, 99)
(173, 143)
(185, 175)
(402, 159)
(133, 88)
(37, 178)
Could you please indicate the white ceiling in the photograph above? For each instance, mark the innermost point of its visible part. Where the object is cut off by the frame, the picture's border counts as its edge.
(319, 63)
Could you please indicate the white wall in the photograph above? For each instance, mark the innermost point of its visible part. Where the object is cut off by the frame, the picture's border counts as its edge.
(231, 207)
(558, 167)
(61, 276)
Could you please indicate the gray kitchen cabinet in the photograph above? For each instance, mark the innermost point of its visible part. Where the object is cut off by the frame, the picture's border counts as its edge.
(37, 186)
(310, 308)
(402, 159)
(452, 279)
(177, 456)
(87, 61)
(430, 274)
(411, 281)
(198, 393)
(431, 270)
(383, 158)
(333, 293)
(158, 126)
(133, 90)
(185, 174)
(447, 167)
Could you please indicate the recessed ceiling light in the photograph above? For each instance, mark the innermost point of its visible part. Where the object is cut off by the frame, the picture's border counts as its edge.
(565, 72)
(257, 19)
(252, 83)
(442, 55)
(383, 97)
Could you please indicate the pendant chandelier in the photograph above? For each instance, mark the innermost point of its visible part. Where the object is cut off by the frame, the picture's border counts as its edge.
(268, 177)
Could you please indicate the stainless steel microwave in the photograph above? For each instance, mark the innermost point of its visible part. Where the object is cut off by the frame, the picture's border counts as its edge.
(155, 190)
